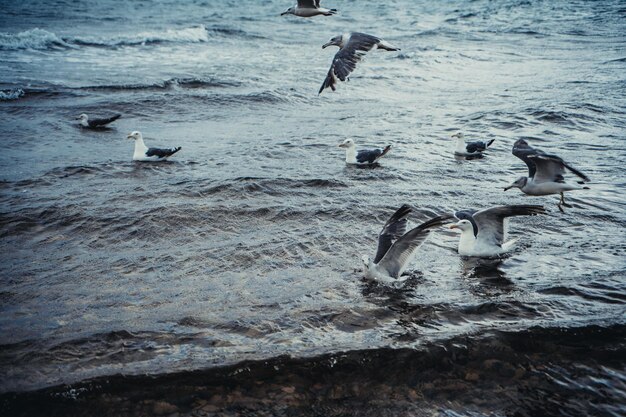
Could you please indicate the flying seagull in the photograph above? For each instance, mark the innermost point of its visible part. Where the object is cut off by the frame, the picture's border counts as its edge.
(308, 8)
(483, 233)
(143, 153)
(545, 173)
(363, 156)
(469, 148)
(352, 48)
(396, 248)
(96, 123)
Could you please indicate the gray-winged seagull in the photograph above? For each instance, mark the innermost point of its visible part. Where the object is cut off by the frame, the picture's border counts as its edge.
(308, 8)
(483, 233)
(96, 123)
(352, 48)
(145, 154)
(545, 173)
(363, 156)
(396, 248)
(470, 148)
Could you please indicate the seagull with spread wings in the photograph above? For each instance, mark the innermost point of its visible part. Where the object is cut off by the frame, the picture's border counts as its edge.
(352, 48)
(396, 248)
(545, 173)
(483, 233)
(308, 8)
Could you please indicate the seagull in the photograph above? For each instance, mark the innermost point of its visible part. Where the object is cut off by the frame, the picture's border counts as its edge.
(308, 8)
(143, 153)
(545, 173)
(469, 148)
(483, 232)
(352, 48)
(96, 123)
(364, 156)
(396, 248)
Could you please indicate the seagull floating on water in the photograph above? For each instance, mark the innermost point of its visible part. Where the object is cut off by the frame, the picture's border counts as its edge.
(363, 156)
(309, 8)
(96, 123)
(145, 154)
(396, 248)
(352, 48)
(483, 233)
(470, 148)
(545, 173)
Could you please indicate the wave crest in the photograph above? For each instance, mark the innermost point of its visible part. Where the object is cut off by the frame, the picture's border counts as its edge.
(31, 39)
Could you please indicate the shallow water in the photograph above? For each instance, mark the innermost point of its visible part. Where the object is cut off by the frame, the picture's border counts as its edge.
(247, 244)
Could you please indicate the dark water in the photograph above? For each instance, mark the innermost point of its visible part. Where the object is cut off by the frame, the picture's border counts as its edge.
(243, 252)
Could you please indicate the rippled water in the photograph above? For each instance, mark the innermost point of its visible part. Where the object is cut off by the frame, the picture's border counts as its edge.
(247, 244)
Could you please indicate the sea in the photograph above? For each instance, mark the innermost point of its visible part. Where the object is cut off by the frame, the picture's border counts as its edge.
(228, 280)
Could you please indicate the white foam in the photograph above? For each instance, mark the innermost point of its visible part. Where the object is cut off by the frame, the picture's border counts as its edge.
(31, 39)
(11, 94)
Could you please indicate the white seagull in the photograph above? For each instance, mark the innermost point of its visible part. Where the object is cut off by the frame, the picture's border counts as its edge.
(470, 148)
(483, 233)
(363, 156)
(545, 173)
(145, 154)
(96, 123)
(309, 8)
(352, 48)
(396, 248)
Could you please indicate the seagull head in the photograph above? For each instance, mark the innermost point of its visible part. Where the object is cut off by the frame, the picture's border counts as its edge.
(348, 143)
(134, 135)
(291, 10)
(337, 41)
(463, 225)
(457, 135)
(82, 117)
(519, 183)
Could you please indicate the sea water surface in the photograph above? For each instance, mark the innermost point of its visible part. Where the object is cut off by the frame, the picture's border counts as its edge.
(245, 248)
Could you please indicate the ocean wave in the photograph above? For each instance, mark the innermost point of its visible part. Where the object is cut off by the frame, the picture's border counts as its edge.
(38, 39)
(190, 83)
(14, 94)
(195, 34)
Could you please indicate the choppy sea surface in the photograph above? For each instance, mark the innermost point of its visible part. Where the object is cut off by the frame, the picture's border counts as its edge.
(228, 280)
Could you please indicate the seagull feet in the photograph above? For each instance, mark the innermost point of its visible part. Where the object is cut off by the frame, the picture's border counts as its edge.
(562, 204)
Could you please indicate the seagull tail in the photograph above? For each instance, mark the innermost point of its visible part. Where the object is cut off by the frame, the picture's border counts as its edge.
(385, 151)
(387, 46)
(176, 149)
(489, 143)
(330, 12)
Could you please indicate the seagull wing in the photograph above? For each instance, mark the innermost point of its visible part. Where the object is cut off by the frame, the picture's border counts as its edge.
(490, 221)
(476, 146)
(308, 3)
(346, 59)
(551, 168)
(102, 122)
(523, 151)
(371, 155)
(162, 152)
(392, 230)
(401, 252)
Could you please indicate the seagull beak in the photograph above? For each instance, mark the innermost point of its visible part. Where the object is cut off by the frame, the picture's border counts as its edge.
(129, 136)
(341, 145)
(283, 13)
(453, 226)
(327, 44)
(509, 187)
